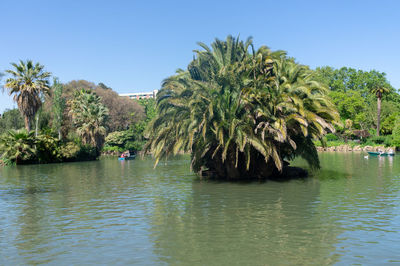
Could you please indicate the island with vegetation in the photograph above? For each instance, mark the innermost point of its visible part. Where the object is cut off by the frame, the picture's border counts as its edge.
(75, 121)
(240, 112)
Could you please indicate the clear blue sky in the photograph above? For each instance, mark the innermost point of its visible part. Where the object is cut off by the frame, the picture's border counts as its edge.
(133, 45)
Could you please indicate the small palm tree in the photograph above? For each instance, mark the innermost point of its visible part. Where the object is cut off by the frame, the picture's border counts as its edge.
(17, 146)
(89, 116)
(28, 82)
(378, 91)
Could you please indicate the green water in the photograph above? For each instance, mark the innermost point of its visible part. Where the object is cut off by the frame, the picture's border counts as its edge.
(117, 213)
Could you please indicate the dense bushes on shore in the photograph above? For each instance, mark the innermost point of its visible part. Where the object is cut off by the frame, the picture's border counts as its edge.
(22, 147)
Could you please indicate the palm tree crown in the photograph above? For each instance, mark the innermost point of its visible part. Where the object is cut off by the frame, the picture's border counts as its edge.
(27, 83)
(89, 116)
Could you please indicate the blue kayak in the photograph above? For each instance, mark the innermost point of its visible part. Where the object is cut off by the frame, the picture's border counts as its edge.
(374, 153)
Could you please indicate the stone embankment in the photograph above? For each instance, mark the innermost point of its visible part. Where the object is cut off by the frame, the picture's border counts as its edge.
(345, 148)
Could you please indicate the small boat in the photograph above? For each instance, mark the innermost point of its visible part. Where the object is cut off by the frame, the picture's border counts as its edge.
(127, 158)
(375, 153)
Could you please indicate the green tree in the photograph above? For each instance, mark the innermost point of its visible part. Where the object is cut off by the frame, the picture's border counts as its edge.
(11, 119)
(241, 112)
(396, 133)
(350, 105)
(149, 108)
(58, 106)
(27, 83)
(89, 116)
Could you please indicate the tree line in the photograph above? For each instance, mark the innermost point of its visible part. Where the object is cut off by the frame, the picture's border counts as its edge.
(240, 112)
(69, 121)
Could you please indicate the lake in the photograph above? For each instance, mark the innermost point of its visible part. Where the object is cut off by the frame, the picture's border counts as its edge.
(117, 213)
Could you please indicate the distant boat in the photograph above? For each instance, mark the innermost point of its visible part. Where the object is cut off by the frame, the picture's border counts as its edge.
(374, 153)
(133, 156)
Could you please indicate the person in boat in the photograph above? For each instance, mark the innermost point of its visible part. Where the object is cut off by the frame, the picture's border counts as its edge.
(390, 151)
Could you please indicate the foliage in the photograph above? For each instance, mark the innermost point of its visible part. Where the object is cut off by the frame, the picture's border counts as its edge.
(241, 112)
(11, 119)
(350, 104)
(396, 134)
(358, 95)
(17, 146)
(149, 108)
(131, 139)
(27, 83)
(47, 149)
(89, 116)
(59, 105)
(389, 123)
(122, 111)
(69, 151)
(350, 79)
(331, 137)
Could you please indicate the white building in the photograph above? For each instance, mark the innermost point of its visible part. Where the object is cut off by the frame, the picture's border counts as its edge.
(140, 95)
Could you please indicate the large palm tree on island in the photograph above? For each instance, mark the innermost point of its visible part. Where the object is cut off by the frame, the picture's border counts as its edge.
(241, 112)
(28, 82)
(378, 90)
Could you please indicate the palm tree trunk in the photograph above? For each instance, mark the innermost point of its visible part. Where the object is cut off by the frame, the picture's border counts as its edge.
(27, 123)
(378, 123)
(37, 126)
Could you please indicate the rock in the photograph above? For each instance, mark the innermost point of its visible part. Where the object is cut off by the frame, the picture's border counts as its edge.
(368, 148)
(357, 148)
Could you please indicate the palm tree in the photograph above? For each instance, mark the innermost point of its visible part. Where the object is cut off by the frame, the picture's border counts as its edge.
(89, 116)
(378, 91)
(17, 146)
(27, 83)
(241, 113)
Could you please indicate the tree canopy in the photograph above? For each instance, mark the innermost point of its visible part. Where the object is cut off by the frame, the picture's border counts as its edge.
(28, 82)
(241, 112)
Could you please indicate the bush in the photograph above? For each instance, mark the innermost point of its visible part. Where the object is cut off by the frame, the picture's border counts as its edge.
(21, 147)
(69, 151)
(378, 139)
(87, 153)
(47, 149)
(396, 134)
(388, 141)
(131, 139)
(112, 149)
(331, 137)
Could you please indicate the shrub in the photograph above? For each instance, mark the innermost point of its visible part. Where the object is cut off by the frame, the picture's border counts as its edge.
(388, 141)
(131, 139)
(112, 148)
(331, 137)
(69, 151)
(17, 147)
(87, 153)
(378, 139)
(396, 134)
(47, 149)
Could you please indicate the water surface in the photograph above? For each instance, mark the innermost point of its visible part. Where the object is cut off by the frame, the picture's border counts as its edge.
(118, 213)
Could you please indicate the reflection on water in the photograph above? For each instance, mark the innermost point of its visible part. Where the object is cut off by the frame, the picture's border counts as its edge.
(113, 212)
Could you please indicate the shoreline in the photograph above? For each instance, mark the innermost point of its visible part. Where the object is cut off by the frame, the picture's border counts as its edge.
(348, 148)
